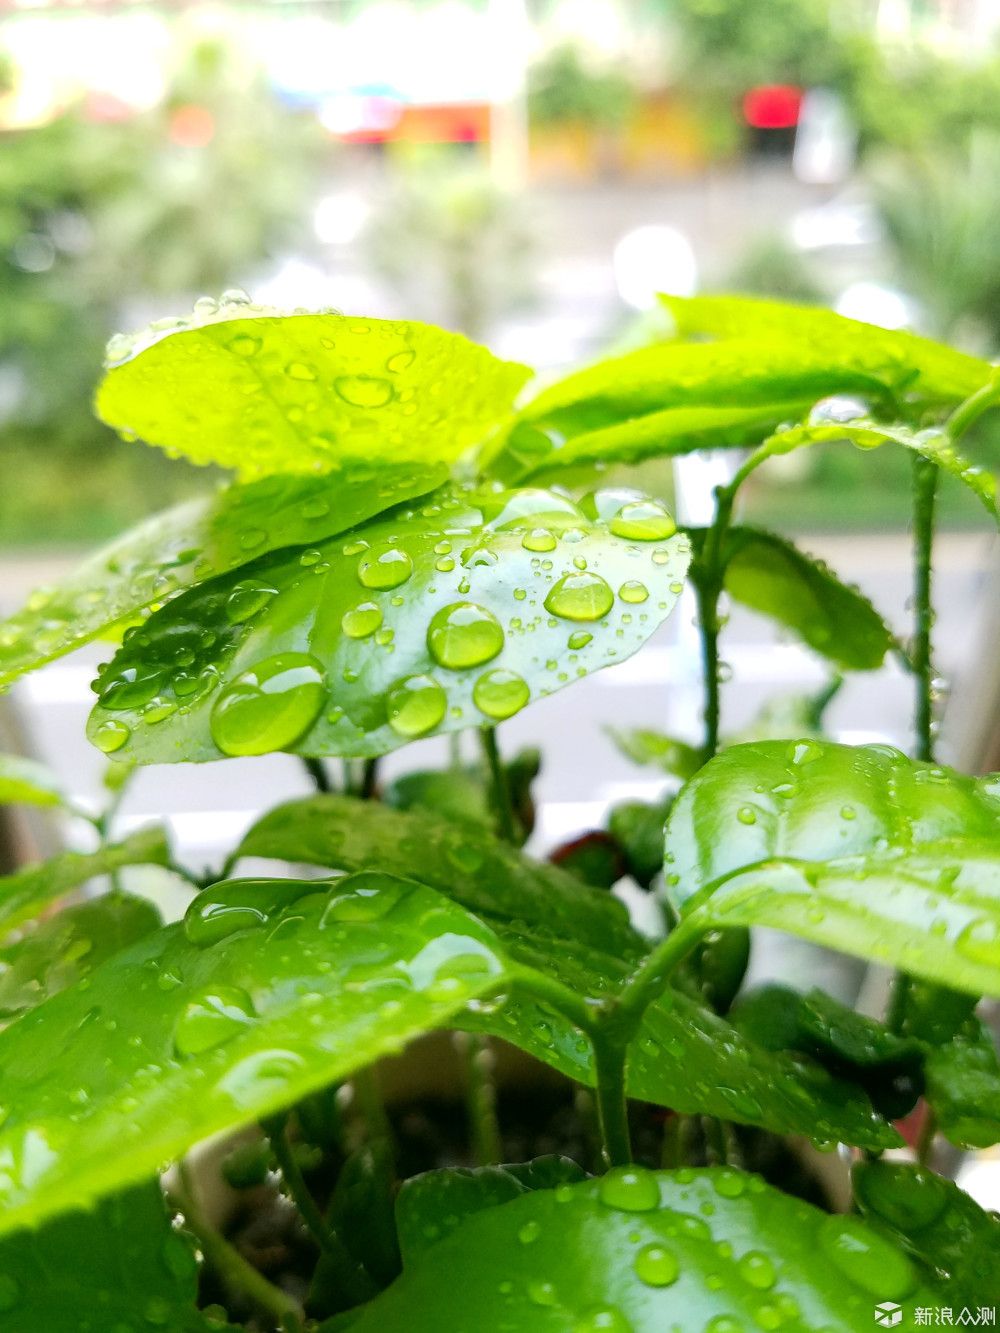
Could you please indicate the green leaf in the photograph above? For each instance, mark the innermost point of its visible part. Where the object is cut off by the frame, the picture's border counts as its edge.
(263, 392)
(938, 1224)
(859, 849)
(468, 864)
(361, 1211)
(933, 444)
(433, 1205)
(643, 746)
(22, 893)
(933, 1014)
(938, 373)
(772, 576)
(963, 1088)
(102, 1269)
(195, 541)
(69, 945)
(553, 923)
(424, 621)
(637, 827)
(643, 1252)
(684, 1056)
(25, 782)
(267, 991)
(464, 794)
(656, 434)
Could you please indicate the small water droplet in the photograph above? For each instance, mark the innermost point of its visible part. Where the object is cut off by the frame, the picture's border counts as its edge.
(300, 370)
(111, 736)
(633, 591)
(630, 1189)
(247, 598)
(500, 694)
(542, 1293)
(464, 635)
(211, 1017)
(757, 1269)
(384, 567)
(656, 1266)
(643, 521)
(364, 390)
(362, 620)
(581, 596)
(244, 345)
(400, 361)
(529, 1232)
(602, 1319)
(415, 705)
(270, 706)
(538, 539)
(746, 814)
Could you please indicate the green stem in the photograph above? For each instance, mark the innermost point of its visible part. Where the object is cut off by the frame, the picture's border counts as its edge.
(370, 1104)
(317, 771)
(354, 1279)
(925, 475)
(228, 1262)
(480, 1091)
(928, 1133)
(502, 806)
(898, 996)
(369, 778)
(610, 1057)
(648, 982)
(973, 408)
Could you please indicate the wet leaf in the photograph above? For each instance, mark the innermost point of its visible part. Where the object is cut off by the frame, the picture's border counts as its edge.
(905, 362)
(425, 621)
(639, 1252)
(963, 1087)
(102, 1269)
(772, 576)
(856, 848)
(268, 991)
(434, 1204)
(194, 541)
(644, 746)
(938, 1224)
(69, 945)
(25, 782)
(264, 392)
(361, 1210)
(468, 864)
(22, 893)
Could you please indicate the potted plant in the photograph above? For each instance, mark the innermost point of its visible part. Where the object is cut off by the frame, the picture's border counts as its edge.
(410, 548)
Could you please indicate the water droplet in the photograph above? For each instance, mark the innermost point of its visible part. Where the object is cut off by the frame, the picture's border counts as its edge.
(234, 296)
(500, 694)
(866, 1259)
(724, 1323)
(603, 1319)
(384, 567)
(538, 539)
(131, 688)
(400, 361)
(656, 1266)
(847, 812)
(211, 1017)
(464, 635)
(445, 564)
(804, 752)
(730, 1184)
(315, 508)
(633, 591)
(579, 639)
(643, 521)
(980, 941)
(158, 1311)
(247, 598)
(362, 620)
(240, 904)
(244, 345)
(111, 736)
(630, 1189)
(364, 390)
(529, 1232)
(366, 896)
(415, 705)
(542, 1293)
(260, 1079)
(270, 706)
(582, 596)
(746, 814)
(757, 1269)
(300, 370)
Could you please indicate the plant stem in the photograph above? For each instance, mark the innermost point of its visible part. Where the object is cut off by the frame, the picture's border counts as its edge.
(610, 1056)
(480, 1092)
(648, 982)
(353, 1278)
(928, 1132)
(369, 778)
(317, 771)
(502, 806)
(371, 1105)
(898, 996)
(925, 474)
(973, 408)
(228, 1262)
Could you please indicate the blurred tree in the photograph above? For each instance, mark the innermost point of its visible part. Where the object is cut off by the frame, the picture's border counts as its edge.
(563, 90)
(771, 266)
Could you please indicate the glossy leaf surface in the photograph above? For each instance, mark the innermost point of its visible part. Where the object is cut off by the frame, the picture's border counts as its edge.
(22, 893)
(194, 541)
(644, 746)
(101, 1271)
(468, 864)
(640, 1252)
(860, 849)
(963, 1087)
(423, 622)
(269, 990)
(932, 444)
(264, 392)
(25, 782)
(772, 576)
(938, 1224)
(912, 364)
(69, 945)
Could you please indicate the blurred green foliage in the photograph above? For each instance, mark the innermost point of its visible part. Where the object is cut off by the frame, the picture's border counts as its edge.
(95, 215)
(563, 89)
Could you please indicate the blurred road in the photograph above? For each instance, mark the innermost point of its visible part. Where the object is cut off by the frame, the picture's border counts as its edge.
(208, 806)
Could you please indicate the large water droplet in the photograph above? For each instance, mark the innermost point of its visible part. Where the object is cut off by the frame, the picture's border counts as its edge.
(633, 591)
(384, 567)
(643, 521)
(415, 705)
(630, 1189)
(366, 896)
(400, 361)
(500, 694)
(464, 635)
(247, 598)
(580, 596)
(866, 1259)
(539, 539)
(240, 904)
(270, 706)
(364, 390)
(656, 1266)
(211, 1017)
(757, 1269)
(131, 688)
(111, 736)
(362, 620)
(258, 1080)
